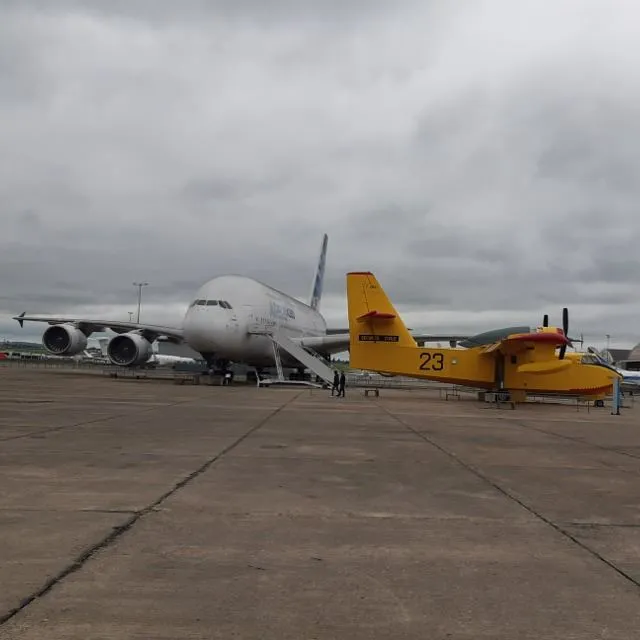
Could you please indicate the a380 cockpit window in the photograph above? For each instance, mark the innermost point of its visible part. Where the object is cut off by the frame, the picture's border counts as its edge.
(212, 303)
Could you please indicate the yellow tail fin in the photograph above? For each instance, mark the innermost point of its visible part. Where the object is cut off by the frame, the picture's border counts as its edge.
(373, 321)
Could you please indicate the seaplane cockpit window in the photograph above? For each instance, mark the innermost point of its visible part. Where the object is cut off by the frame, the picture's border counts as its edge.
(212, 303)
(224, 304)
(588, 360)
(200, 303)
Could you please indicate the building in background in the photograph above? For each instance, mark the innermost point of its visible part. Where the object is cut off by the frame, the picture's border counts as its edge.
(631, 360)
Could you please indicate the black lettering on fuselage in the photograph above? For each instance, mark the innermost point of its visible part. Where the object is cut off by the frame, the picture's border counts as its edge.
(431, 361)
(370, 337)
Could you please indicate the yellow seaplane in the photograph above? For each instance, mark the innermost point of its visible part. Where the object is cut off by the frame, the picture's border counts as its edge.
(514, 360)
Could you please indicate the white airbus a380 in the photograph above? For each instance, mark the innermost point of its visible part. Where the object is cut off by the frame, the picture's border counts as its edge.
(228, 321)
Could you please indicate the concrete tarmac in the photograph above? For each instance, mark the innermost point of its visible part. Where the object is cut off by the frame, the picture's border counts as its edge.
(142, 509)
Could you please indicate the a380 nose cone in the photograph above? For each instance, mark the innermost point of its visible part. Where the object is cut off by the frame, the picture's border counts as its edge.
(203, 329)
(214, 328)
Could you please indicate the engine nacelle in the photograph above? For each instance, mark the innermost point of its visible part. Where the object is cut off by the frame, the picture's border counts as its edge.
(129, 349)
(64, 340)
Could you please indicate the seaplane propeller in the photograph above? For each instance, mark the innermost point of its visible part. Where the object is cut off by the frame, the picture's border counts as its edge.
(565, 330)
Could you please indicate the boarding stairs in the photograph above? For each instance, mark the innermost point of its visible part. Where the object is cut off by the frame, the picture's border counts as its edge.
(303, 355)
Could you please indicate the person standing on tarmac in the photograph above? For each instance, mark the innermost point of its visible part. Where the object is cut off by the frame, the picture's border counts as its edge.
(336, 383)
(341, 384)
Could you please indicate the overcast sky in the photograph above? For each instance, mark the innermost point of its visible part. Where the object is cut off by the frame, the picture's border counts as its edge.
(481, 157)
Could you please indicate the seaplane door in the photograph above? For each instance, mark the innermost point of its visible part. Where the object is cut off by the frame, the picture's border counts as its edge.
(499, 371)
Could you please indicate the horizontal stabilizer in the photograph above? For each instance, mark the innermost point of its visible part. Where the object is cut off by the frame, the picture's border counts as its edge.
(547, 366)
(374, 323)
(376, 315)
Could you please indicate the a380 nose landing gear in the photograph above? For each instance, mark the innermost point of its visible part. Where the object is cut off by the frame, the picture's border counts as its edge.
(210, 359)
(217, 365)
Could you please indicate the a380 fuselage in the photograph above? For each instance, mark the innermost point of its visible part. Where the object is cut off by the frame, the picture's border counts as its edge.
(227, 311)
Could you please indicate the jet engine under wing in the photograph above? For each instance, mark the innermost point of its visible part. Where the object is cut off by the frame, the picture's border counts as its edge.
(89, 326)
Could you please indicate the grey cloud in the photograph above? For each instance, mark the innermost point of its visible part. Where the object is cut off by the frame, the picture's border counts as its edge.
(195, 11)
(202, 195)
(214, 189)
(614, 269)
(26, 220)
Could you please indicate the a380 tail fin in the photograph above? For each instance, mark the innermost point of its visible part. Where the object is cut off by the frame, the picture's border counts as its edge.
(374, 323)
(318, 278)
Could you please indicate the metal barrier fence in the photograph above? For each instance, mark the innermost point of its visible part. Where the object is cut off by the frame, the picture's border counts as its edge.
(353, 380)
(50, 363)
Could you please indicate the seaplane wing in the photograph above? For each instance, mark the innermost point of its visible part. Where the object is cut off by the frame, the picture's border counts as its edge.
(91, 325)
(519, 342)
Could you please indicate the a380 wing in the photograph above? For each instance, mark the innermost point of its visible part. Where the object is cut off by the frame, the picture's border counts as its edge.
(91, 325)
(326, 344)
(337, 342)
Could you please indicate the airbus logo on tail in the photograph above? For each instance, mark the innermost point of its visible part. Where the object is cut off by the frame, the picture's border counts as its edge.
(316, 294)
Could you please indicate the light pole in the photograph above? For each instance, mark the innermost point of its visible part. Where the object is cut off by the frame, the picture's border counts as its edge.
(139, 285)
(608, 341)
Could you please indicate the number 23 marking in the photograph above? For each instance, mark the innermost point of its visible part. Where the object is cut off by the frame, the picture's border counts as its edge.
(431, 361)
